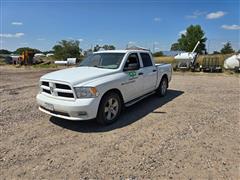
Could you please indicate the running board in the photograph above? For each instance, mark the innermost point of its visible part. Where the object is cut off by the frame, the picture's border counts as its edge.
(130, 103)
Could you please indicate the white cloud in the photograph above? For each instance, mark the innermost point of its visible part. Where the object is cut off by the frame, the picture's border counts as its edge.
(41, 39)
(16, 35)
(81, 40)
(17, 23)
(182, 32)
(157, 19)
(231, 27)
(196, 14)
(199, 13)
(215, 15)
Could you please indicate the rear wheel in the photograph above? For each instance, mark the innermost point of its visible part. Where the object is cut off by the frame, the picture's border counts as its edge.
(162, 89)
(109, 108)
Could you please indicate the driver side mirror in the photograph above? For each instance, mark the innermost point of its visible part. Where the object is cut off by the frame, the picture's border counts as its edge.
(130, 67)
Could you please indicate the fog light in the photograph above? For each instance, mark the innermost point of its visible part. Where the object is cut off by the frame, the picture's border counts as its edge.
(82, 113)
(78, 113)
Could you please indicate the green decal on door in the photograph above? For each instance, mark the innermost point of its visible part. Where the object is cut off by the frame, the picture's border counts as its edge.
(132, 74)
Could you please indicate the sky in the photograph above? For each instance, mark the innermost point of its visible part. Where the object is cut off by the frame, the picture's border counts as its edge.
(152, 24)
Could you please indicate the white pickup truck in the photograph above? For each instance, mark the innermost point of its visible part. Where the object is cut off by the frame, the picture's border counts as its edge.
(102, 85)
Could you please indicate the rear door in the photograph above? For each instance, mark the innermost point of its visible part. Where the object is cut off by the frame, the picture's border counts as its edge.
(149, 73)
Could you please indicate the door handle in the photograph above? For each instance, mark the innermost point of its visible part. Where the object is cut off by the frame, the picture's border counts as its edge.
(141, 73)
(154, 70)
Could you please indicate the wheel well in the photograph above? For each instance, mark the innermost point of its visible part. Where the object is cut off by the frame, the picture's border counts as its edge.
(117, 91)
(165, 76)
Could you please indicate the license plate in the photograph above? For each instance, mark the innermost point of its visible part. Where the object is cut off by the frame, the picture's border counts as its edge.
(49, 106)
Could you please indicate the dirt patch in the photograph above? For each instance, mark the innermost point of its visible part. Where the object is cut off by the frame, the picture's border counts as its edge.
(192, 133)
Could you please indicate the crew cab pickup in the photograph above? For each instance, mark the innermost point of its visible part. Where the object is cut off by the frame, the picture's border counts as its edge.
(102, 85)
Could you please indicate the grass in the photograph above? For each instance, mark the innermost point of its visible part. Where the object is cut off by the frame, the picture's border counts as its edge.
(164, 59)
(2, 62)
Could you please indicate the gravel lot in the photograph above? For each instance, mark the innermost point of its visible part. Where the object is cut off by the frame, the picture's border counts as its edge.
(192, 133)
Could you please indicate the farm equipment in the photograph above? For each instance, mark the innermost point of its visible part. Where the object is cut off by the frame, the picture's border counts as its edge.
(27, 58)
(211, 64)
(187, 60)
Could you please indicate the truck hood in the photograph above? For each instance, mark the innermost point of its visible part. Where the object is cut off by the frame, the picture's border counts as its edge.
(77, 75)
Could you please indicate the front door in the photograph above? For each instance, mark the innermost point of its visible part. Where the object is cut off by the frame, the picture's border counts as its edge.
(132, 83)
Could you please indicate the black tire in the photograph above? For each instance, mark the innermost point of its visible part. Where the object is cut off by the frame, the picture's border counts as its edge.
(114, 111)
(162, 89)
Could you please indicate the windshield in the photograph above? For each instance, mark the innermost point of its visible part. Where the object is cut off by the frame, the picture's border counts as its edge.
(103, 60)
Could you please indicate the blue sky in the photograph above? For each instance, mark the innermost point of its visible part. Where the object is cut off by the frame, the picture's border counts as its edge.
(42, 23)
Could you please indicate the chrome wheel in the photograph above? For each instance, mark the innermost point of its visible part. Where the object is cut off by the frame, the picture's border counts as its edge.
(111, 109)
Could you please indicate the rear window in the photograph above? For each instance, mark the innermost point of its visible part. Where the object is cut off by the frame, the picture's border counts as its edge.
(146, 59)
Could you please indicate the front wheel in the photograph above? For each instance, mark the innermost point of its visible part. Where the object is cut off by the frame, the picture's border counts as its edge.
(162, 89)
(109, 108)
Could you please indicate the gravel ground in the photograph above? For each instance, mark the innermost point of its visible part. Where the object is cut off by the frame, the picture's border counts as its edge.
(192, 133)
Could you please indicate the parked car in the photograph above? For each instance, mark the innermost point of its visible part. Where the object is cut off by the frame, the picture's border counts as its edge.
(102, 85)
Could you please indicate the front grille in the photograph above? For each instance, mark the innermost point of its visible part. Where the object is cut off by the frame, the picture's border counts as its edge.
(45, 83)
(65, 94)
(46, 91)
(57, 89)
(62, 86)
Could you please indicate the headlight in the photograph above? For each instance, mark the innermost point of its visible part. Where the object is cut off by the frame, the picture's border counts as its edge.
(86, 92)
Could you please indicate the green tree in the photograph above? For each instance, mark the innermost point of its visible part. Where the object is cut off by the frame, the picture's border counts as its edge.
(227, 48)
(175, 47)
(105, 47)
(158, 54)
(108, 47)
(188, 40)
(67, 49)
(46, 52)
(20, 50)
(96, 48)
(216, 52)
(4, 51)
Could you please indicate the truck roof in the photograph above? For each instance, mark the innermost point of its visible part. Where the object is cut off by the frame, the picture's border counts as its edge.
(122, 51)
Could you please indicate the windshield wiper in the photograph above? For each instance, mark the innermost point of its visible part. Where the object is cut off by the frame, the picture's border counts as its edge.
(99, 66)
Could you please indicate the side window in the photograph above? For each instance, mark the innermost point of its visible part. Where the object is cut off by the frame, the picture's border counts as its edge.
(146, 59)
(132, 59)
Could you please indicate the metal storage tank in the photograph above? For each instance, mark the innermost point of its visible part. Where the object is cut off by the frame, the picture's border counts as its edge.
(232, 62)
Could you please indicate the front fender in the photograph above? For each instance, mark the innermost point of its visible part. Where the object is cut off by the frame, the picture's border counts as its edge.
(106, 83)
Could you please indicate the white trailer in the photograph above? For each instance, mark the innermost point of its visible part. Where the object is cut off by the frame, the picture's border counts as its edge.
(69, 61)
